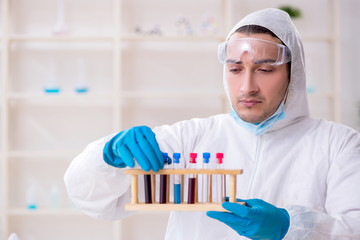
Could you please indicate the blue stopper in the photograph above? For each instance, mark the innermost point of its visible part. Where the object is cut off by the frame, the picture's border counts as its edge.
(176, 157)
(206, 157)
(166, 158)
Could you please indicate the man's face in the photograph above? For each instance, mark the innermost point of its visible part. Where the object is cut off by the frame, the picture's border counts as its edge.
(256, 89)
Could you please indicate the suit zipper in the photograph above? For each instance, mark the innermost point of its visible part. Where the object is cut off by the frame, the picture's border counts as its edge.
(255, 169)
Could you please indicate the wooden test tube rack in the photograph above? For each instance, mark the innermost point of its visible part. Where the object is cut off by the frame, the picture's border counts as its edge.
(135, 205)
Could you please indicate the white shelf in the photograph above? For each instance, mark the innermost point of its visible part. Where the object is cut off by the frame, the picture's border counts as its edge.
(21, 212)
(147, 93)
(42, 155)
(172, 94)
(64, 98)
(43, 212)
(57, 38)
(106, 99)
(172, 38)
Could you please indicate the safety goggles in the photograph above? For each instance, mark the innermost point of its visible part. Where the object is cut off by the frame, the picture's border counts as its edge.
(260, 51)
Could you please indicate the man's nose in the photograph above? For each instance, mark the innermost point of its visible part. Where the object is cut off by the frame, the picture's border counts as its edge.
(248, 83)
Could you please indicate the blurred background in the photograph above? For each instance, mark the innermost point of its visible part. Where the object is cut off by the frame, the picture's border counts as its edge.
(72, 72)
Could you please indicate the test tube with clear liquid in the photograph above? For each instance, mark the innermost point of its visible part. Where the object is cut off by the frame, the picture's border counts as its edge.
(177, 179)
(206, 178)
(220, 180)
(192, 179)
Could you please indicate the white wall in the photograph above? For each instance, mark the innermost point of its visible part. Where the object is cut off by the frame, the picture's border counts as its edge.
(350, 39)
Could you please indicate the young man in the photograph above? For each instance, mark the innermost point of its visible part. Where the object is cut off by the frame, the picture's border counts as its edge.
(300, 173)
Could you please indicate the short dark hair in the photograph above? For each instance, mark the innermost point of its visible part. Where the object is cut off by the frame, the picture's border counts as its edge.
(249, 29)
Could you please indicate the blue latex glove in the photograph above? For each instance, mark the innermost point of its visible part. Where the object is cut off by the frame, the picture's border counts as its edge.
(138, 143)
(256, 220)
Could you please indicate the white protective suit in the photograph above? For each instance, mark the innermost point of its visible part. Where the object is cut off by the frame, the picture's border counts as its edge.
(308, 166)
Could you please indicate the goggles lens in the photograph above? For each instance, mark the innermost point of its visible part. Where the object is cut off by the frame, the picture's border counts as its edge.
(260, 51)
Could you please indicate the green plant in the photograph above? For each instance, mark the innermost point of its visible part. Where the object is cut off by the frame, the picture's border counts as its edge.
(292, 11)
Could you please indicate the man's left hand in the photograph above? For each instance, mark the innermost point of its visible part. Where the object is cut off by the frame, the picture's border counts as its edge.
(255, 220)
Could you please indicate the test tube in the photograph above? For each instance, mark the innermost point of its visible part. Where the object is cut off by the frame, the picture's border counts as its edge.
(31, 197)
(163, 181)
(147, 187)
(192, 179)
(206, 178)
(177, 179)
(220, 178)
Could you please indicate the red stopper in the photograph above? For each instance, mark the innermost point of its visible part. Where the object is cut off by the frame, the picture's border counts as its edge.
(219, 158)
(193, 157)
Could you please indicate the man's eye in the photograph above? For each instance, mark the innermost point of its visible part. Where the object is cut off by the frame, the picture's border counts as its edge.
(265, 70)
(235, 70)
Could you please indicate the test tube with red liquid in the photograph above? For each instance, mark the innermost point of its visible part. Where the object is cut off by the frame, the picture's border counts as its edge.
(164, 180)
(147, 187)
(192, 179)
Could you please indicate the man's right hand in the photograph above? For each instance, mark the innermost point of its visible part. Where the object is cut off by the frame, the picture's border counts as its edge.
(135, 143)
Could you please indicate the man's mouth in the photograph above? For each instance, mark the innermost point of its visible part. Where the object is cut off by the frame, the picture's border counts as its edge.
(248, 102)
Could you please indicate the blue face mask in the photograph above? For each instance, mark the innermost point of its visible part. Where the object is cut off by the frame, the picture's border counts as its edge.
(260, 128)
